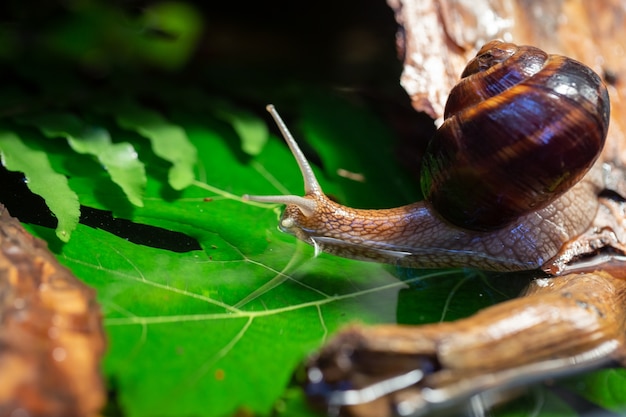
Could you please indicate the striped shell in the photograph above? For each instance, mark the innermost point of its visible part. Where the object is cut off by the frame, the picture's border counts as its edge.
(520, 128)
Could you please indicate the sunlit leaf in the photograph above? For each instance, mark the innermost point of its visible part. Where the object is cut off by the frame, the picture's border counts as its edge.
(169, 141)
(42, 180)
(119, 159)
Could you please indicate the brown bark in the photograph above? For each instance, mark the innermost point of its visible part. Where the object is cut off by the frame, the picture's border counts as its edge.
(562, 325)
(51, 335)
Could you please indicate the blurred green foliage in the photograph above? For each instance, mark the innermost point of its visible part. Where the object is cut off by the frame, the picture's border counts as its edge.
(99, 35)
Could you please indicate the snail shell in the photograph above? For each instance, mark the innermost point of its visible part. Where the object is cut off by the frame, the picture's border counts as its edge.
(520, 128)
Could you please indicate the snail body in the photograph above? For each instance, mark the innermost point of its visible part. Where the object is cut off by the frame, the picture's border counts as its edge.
(509, 177)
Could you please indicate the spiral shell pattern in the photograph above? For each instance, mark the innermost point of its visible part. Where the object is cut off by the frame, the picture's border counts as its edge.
(520, 128)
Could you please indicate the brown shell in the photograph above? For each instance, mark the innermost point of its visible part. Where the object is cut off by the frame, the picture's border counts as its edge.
(520, 129)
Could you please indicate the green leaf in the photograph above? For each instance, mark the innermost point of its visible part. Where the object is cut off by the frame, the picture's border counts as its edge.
(536, 401)
(101, 34)
(42, 180)
(252, 130)
(169, 141)
(119, 159)
(607, 388)
(335, 129)
(190, 334)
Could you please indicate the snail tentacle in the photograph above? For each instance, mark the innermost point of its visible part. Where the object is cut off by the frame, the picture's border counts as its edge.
(311, 185)
(305, 205)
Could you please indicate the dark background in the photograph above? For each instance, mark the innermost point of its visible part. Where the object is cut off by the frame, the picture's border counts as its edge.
(71, 54)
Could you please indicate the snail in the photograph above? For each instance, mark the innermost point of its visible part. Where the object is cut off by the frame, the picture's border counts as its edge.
(508, 178)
